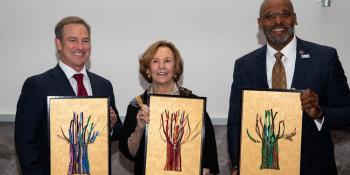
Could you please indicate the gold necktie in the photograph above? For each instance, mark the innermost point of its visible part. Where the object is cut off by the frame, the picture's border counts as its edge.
(278, 73)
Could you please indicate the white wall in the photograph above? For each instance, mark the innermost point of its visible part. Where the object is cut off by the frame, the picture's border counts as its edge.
(209, 34)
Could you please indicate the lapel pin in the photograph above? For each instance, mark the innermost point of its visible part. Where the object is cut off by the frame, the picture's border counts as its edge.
(303, 55)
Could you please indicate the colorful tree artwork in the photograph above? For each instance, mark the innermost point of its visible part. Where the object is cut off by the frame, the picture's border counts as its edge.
(80, 135)
(269, 138)
(175, 130)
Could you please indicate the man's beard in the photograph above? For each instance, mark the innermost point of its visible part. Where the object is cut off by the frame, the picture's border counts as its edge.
(279, 40)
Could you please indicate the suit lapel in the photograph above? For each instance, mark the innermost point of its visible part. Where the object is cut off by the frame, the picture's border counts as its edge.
(302, 62)
(61, 82)
(260, 66)
(94, 84)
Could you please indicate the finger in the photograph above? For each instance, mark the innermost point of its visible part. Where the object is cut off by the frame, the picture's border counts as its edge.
(310, 109)
(113, 116)
(145, 108)
(147, 119)
(112, 113)
(306, 103)
(307, 91)
(306, 106)
(111, 110)
(305, 94)
(139, 115)
(112, 121)
(310, 98)
(315, 100)
(307, 111)
(144, 118)
(144, 114)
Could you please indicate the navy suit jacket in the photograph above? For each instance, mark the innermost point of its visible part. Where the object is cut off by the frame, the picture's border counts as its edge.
(320, 71)
(31, 128)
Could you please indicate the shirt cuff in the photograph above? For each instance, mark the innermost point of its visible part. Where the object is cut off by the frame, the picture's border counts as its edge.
(319, 123)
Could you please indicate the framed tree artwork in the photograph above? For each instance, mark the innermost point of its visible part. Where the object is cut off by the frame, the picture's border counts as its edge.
(79, 135)
(174, 135)
(271, 132)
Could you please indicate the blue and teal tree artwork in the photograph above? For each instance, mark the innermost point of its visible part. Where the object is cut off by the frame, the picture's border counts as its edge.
(79, 136)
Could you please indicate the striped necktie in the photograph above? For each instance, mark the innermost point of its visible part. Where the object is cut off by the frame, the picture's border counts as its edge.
(278, 73)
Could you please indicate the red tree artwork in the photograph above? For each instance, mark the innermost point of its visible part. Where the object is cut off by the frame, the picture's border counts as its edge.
(175, 130)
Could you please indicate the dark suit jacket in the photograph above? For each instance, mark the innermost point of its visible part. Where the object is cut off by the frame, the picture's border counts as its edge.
(321, 72)
(31, 129)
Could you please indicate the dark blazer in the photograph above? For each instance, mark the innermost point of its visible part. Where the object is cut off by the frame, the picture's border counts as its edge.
(209, 151)
(31, 129)
(320, 70)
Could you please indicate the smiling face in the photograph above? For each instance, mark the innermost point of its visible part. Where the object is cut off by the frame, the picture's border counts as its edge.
(74, 47)
(277, 19)
(161, 67)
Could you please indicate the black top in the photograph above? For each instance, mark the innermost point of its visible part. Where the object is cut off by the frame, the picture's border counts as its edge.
(209, 152)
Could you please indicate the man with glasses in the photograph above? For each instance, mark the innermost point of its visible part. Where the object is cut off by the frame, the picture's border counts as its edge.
(287, 62)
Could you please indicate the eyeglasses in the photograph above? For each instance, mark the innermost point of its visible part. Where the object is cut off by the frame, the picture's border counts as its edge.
(281, 14)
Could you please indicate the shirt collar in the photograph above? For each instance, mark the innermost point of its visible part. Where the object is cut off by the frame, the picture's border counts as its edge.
(288, 51)
(69, 72)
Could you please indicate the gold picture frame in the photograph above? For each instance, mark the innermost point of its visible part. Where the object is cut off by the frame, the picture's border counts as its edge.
(270, 133)
(79, 135)
(174, 135)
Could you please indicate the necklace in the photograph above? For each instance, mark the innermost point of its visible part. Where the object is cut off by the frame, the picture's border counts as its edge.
(175, 90)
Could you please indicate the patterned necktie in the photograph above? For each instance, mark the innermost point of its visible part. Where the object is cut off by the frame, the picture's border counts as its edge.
(81, 87)
(278, 73)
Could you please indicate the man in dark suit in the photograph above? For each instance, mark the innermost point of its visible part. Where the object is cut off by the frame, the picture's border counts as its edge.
(287, 62)
(31, 128)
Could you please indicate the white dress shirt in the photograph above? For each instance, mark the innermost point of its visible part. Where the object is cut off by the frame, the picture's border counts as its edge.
(288, 60)
(69, 72)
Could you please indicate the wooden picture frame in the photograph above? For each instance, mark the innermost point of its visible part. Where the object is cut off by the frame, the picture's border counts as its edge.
(79, 135)
(271, 132)
(174, 135)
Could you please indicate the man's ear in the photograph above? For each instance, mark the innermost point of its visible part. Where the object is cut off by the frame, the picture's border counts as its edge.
(295, 19)
(58, 44)
(259, 22)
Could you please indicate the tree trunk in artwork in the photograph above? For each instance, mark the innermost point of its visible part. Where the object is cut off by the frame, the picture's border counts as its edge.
(79, 160)
(175, 130)
(269, 154)
(85, 159)
(269, 138)
(79, 137)
(173, 159)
